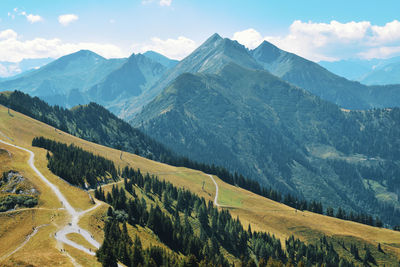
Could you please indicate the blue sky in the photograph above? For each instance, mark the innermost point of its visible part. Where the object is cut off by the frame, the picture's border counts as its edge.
(317, 30)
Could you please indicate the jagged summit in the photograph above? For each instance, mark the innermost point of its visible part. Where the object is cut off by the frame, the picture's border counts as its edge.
(213, 54)
(163, 60)
(267, 52)
(213, 38)
(210, 58)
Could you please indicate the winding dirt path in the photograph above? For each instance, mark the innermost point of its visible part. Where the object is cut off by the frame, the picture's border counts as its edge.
(72, 227)
(216, 191)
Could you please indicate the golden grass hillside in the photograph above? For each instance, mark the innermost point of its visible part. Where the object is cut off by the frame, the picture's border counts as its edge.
(263, 214)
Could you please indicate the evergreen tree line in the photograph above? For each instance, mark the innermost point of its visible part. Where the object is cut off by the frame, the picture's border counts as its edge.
(376, 172)
(355, 217)
(203, 248)
(91, 122)
(249, 184)
(288, 199)
(74, 164)
(118, 245)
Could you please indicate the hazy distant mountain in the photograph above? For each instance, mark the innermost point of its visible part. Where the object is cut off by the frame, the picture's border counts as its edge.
(9, 69)
(55, 81)
(352, 69)
(255, 123)
(319, 81)
(370, 72)
(210, 57)
(163, 60)
(84, 76)
(388, 74)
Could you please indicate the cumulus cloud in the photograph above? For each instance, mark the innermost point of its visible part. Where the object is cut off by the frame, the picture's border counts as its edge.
(390, 32)
(331, 41)
(7, 70)
(34, 18)
(8, 34)
(380, 52)
(13, 48)
(249, 38)
(66, 19)
(172, 48)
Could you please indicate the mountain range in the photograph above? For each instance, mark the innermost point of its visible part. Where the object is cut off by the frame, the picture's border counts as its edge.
(215, 52)
(82, 77)
(271, 115)
(126, 85)
(64, 80)
(319, 81)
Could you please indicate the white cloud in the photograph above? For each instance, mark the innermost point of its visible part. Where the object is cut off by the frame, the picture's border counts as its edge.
(4, 71)
(66, 19)
(388, 33)
(249, 38)
(9, 69)
(331, 41)
(34, 18)
(172, 48)
(380, 52)
(14, 49)
(8, 34)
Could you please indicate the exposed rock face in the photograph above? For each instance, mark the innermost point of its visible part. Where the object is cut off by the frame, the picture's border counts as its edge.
(13, 182)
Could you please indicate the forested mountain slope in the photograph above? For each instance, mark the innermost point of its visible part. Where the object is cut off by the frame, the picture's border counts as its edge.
(253, 122)
(91, 122)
